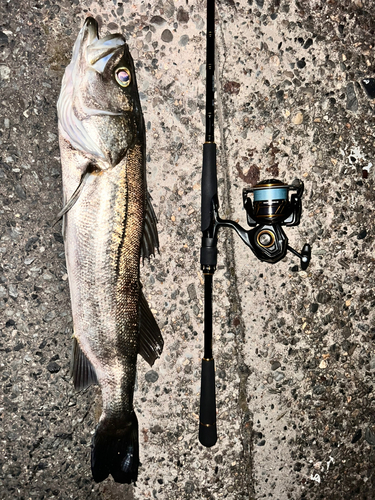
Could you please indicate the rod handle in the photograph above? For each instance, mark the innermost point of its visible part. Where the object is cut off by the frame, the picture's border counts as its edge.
(207, 416)
(209, 184)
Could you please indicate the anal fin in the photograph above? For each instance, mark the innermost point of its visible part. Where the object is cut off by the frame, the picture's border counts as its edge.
(151, 342)
(82, 371)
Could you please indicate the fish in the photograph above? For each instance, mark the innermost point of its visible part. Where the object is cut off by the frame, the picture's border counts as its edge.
(109, 225)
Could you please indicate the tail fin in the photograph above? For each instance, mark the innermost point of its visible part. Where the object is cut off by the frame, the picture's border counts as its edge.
(115, 450)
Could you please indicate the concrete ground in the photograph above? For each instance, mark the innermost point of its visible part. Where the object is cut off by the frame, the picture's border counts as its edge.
(294, 350)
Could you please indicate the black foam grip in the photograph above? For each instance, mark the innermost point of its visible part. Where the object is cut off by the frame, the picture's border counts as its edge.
(209, 184)
(207, 425)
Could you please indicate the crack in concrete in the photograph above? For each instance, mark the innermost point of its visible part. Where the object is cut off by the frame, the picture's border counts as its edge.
(245, 483)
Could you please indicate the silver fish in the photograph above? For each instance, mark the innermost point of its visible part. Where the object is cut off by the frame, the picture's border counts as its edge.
(108, 224)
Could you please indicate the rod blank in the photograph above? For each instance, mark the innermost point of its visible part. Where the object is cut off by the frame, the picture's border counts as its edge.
(207, 414)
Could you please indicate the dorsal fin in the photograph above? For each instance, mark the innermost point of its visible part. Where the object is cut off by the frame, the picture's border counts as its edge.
(151, 342)
(150, 240)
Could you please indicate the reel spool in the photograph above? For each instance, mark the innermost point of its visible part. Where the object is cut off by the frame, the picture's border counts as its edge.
(271, 203)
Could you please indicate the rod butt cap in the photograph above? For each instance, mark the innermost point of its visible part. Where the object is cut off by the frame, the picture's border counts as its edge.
(207, 435)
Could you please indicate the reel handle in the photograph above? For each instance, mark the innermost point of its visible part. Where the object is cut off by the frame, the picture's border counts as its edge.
(305, 255)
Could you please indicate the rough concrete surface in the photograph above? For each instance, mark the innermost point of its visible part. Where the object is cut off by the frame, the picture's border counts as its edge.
(294, 350)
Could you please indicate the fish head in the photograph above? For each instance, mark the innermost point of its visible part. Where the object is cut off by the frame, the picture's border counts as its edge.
(99, 107)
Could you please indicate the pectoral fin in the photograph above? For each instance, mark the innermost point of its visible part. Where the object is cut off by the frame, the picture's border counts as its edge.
(82, 371)
(150, 240)
(73, 198)
(151, 342)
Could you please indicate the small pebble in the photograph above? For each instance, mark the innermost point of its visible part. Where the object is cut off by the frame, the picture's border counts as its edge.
(167, 36)
(314, 307)
(18, 347)
(297, 118)
(4, 72)
(182, 15)
(49, 316)
(278, 376)
(184, 40)
(156, 429)
(53, 367)
(323, 297)
(199, 22)
(192, 292)
(275, 61)
(4, 40)
(13, 292)
(151, 376)
(189, 487)
(158, 20)
(232, 87)
(357, 436)
(370, 436)
(362, 235)
(351, 102)
(112, 26)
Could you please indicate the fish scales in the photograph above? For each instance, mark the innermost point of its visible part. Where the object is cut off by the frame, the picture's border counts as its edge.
(108, 224)
(107, 278)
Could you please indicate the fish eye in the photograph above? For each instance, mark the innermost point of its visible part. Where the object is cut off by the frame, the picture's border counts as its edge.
(122, 76)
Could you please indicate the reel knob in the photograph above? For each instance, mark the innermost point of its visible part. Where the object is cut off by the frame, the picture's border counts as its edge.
(305, 256)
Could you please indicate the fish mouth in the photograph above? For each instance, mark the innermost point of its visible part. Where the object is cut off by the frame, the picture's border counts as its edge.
(91, 27)
(99, 50)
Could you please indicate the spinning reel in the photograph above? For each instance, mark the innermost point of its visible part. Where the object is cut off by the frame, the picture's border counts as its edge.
(270, 210)
(267, 213)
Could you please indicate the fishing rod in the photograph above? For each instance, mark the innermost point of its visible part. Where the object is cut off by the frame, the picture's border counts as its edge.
(268, 208)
